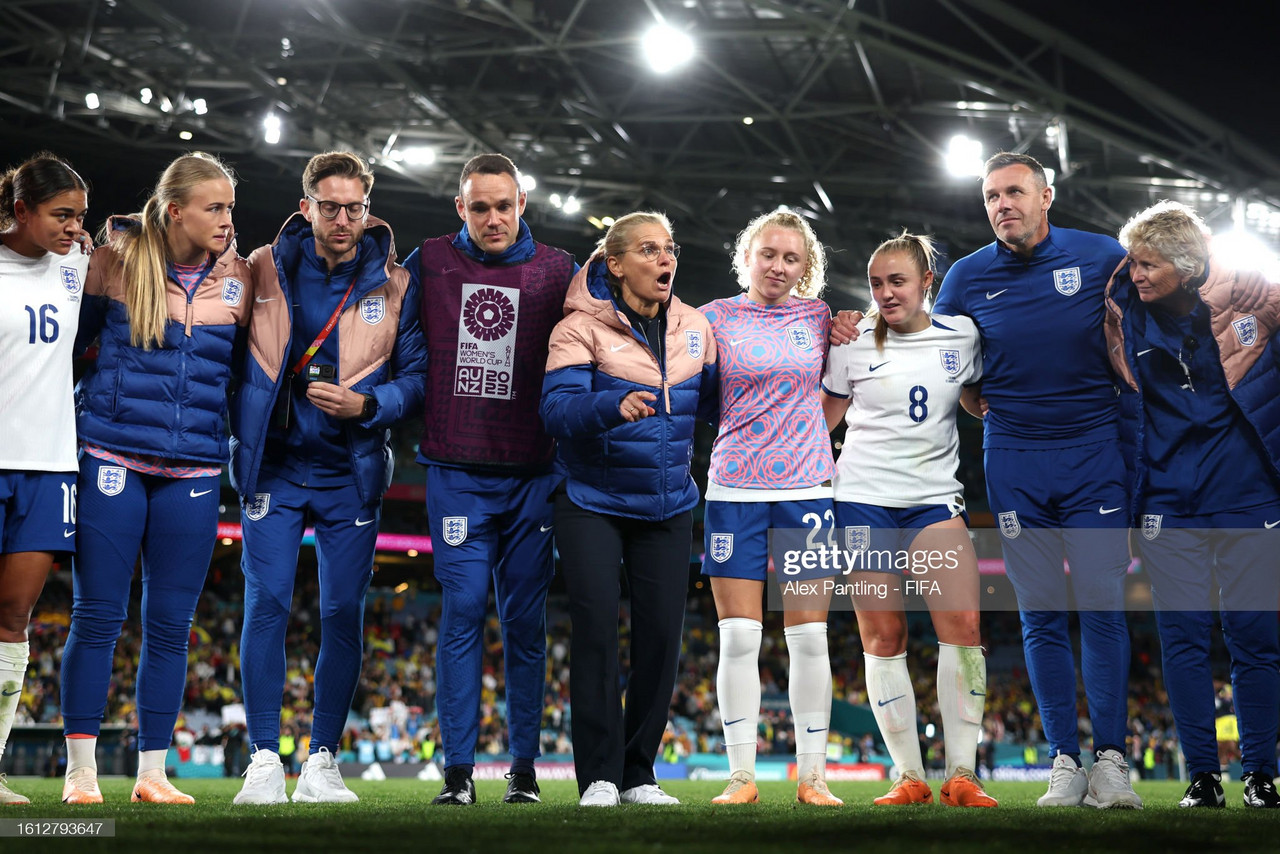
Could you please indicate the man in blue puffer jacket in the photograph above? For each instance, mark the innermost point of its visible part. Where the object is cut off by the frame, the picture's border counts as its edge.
(336, 355)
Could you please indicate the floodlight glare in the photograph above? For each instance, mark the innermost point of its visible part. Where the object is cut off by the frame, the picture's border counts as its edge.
(528, 183)
(184, 135)
(199, 106)
(419, 156)
(271, 129)
(1241, 250)
(91, 101)
(145, 95)
(572, 205)
(964, 157)
(666, 48)
(555, 201)
(608, 221)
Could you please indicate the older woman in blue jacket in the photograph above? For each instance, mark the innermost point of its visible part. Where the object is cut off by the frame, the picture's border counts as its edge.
(1205, 428)
(631, 368)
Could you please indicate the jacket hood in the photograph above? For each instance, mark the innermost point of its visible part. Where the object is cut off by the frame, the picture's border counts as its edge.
(378, 240)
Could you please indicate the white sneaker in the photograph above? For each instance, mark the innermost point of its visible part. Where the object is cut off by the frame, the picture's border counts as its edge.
(1109, 783)
(601, 793)
(263, 780)
(9, 796)
(1068, 784)
(320, 781)
(649, 793)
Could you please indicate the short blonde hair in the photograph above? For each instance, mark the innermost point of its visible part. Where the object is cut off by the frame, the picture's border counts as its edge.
(1175, 231)
(814, 279)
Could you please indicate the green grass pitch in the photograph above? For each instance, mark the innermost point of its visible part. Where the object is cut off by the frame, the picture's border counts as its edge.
(394, 815)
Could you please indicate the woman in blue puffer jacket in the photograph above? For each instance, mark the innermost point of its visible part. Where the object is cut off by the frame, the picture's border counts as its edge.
(631, 369)
(167, 298)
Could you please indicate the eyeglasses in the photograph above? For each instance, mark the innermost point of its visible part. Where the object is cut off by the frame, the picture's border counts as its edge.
(329, 210)
(652, 251)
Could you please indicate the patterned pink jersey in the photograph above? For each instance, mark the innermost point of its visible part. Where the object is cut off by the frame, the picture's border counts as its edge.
(772, 431)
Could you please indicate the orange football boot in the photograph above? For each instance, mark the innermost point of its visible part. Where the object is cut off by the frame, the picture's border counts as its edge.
(964, 789)
(81, 787)
(741, 790)
(813, 790)
(153, 787)
(909, 789)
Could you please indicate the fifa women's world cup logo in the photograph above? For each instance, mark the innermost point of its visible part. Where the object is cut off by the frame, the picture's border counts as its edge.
(486, 341)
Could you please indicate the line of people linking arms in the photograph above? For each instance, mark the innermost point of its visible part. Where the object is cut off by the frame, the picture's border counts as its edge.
(561, 400)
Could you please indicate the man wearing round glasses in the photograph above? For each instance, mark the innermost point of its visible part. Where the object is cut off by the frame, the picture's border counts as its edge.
(336, 355)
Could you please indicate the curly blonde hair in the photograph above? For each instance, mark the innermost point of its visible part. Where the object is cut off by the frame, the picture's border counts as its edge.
(814, 279)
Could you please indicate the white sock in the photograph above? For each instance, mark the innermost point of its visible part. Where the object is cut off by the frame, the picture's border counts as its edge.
(13, 672)
(82, 753)
(809, 688)
(151, 760)
(893, 702)
(738, 689)
(962, 693)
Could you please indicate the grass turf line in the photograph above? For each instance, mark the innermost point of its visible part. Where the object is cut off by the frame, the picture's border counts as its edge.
(395, 815)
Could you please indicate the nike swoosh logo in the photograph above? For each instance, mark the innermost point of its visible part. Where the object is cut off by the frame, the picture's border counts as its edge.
(1146, 351)
(1105, 511)
(545, 528)
(878, 367)
(731, 723)
(811, 729)
(195, 494)
(996, 294)
(10, 693)
(360, 524)
(70, 533)
(734, 342)
(619, 347)
(1270, 525)
(883, 703)
(264, 299)
(974, 693)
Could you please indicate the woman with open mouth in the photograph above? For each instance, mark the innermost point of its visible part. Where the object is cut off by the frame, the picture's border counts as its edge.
(631, 368)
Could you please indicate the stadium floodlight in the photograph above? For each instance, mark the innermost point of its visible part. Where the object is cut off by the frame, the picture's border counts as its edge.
(528, 183)
(572, 205)
(1242, 250)
(91, 101)
(964, 156)
(748, 120)
(146, 95)
(271, 129)
(200, 106)
(555, 200)
(184, 135)
(666, 48)
(420, 155)
(1050, 175)
(608, 221)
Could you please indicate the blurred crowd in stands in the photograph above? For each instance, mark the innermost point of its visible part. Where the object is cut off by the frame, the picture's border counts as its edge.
(395, 704)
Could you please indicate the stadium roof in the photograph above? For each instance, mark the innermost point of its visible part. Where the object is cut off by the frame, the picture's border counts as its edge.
(842, 110)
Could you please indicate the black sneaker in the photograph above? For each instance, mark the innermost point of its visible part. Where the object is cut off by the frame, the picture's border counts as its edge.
(458, 787)
(521, 789)
(1260, 790)
(1205, 791)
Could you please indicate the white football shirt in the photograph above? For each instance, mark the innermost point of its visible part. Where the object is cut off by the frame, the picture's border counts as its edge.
(902, 447)
(39, 315)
